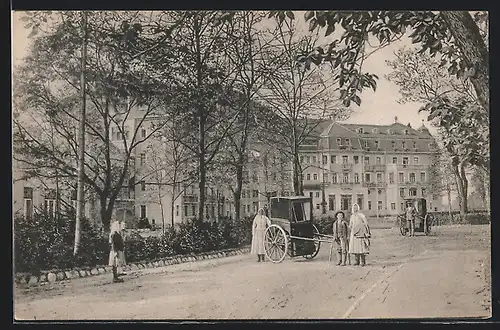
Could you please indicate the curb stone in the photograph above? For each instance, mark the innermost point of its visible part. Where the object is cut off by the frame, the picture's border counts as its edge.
(60, 275)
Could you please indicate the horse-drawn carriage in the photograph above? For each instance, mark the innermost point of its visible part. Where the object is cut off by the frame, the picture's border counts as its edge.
(292, 231)
(423, 219)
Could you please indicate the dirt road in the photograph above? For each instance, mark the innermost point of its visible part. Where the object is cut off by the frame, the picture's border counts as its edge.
(442, 275)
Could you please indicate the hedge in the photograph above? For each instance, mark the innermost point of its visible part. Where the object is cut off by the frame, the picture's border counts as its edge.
(46, 243)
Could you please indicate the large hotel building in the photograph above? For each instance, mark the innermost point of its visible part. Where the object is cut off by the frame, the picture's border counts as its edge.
(372, 165)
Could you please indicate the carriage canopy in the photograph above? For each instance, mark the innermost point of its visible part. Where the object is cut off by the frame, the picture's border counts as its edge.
(294, 208)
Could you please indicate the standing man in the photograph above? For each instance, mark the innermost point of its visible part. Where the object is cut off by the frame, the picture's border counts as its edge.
(266, 210)
(410, 218)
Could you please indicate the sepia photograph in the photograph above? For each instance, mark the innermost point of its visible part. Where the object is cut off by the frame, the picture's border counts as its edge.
(174, 165)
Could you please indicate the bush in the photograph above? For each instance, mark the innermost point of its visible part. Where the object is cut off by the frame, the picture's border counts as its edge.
(473, 218)
(325, 224)
(45, 243)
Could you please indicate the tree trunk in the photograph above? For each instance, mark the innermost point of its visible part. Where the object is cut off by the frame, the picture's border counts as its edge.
(462, 183)
(237, 192)
(106, 213)
(474, 52)
(81, 140)
(448, 192)
(297, 172)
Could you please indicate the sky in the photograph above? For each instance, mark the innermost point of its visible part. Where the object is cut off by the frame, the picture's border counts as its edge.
(377, 108)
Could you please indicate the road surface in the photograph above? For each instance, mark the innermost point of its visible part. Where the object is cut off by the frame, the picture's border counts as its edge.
(446, 274)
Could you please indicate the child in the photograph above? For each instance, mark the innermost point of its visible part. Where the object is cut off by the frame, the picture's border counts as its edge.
(340, 228)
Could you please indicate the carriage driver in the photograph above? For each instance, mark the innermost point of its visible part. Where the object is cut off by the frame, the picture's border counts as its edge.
(411, 213)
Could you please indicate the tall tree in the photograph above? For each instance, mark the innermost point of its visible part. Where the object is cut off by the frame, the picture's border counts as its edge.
(299, 96)
(455, 35)
(46, 91)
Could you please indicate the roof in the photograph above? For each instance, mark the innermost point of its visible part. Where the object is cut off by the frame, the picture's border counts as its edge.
(293, 198)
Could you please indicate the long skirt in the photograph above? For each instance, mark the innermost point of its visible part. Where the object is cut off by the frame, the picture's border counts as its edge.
(359, 245)
(258, 242)
(117, 258)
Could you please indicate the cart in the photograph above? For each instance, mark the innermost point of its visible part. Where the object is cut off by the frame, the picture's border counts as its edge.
(292, 231)
(423, 219)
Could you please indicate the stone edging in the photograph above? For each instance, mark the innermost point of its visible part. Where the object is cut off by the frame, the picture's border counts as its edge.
(61, 275)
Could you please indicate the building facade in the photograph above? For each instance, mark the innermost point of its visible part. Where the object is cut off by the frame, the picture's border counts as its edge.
(375, 166)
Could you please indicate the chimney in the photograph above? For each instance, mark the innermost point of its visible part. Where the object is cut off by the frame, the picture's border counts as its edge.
(409, 125)
(395, 119)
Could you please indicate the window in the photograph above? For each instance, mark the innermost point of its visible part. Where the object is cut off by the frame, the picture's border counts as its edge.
(360, 201)
(366, 144)
(193, 209)
(414, 145)
(345, 159)
(248, 208)
(143, 186)
(339, 141)
(413, 192)
(345, 179)
(390, 131)
(379, 205)
(50, 206)
(402, 206)
(379, 177)
(406, 132)
(412, 177)
(394, 160)
(315, 177)
(356, 177)
(345, 202)
(301, 159)
(367, 160)
(255, 193)
(393, 206)
(369, 205)
(375, 131)
(422, 176)
(308, 159)
(311, 194)
(393, 143)
(143, 212)
(331, 202)
(314, 159)
(317, 206)
(28, 202)
(405, 160)
(126, 134)
(424, 192)
(391, 177)
(142, 159)
(415, 160)
(348, 142)
(402, 192)
(243, 193)
(334, 178)
(333, 159)
(369, 191)
(379, 160)
(356, 159)
(325, 177)
(317, 194)
(403, 144)
(308, 176)
(325, 160)
(401, 177)
(255, 177)
(143, 132)
(377, 144)
(177, 210)
(185, 210)
(360, 130)
(367, 178)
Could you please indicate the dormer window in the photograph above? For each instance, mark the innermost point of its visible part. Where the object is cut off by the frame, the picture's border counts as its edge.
(414, 145)
(348, 142)
(375, 131)
(339, 141)
(366, 144)
(393, 144)
(360, 130)
(406, 132)
(403, 143)
(377, 144)
(389, 131)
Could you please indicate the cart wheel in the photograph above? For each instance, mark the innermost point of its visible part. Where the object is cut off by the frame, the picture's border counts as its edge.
(427, 224)
(275, 243)
(317, 244)
(402, 225)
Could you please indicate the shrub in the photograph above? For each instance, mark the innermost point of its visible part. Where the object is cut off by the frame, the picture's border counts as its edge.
(325, 224)
(45, 243)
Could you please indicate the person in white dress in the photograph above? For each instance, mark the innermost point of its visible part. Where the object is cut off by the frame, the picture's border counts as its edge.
(359, 242)
(260, 223)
